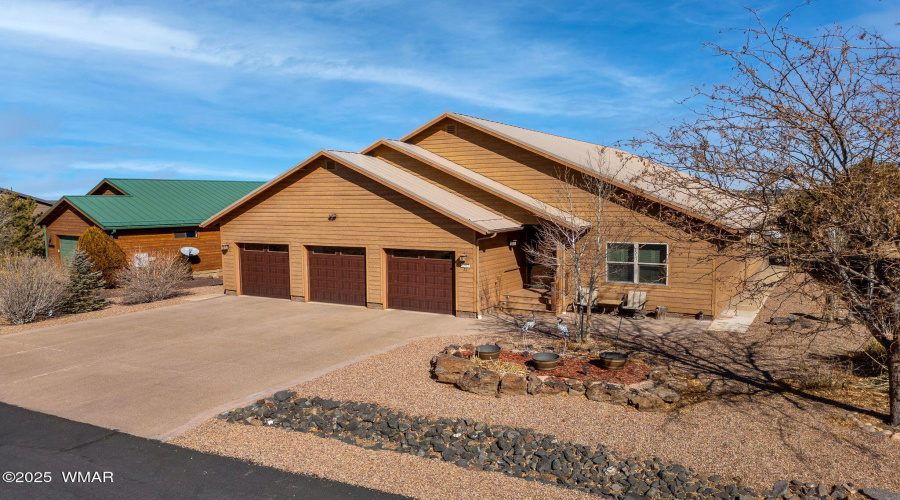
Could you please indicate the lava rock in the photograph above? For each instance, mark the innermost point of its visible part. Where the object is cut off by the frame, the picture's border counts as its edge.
(879, 494)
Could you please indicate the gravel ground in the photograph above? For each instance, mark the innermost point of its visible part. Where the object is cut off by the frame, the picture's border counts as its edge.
(114, 309)
(761, 438)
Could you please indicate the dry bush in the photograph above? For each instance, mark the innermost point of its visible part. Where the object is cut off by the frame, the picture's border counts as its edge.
(156, 278)
(103, 252)
(30, 286)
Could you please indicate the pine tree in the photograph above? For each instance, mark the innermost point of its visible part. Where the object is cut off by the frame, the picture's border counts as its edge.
(103, 252)
(84, 285)
(17, 230)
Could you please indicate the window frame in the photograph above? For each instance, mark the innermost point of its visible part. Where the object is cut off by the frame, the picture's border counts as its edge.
(186, 234)
(637, 263)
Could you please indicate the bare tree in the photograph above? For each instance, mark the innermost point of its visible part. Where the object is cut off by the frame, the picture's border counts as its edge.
(573, 247)
(803, 143)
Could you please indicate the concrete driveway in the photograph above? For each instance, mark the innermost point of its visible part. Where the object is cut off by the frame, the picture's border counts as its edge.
(156, 373)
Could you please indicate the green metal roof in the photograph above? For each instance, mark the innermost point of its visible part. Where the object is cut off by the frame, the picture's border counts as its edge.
(160, 203)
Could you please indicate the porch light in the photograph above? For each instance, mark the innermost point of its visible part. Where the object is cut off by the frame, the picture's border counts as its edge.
(332, 216)
(462, 258)
(512, 242)
(224, 247)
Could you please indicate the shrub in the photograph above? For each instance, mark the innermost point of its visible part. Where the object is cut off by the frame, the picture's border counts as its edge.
(30, 286)
(84, 285)
(103, 252)
(156, 278)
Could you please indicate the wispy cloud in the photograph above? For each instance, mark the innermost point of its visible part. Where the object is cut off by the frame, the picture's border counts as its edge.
(165, 169)
(507, 62)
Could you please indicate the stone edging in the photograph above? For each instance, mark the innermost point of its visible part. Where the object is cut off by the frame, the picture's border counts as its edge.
(660, 390)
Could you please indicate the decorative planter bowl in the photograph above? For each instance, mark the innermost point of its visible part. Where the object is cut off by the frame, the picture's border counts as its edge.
(545, 361)
(613, 361)
(490, 352)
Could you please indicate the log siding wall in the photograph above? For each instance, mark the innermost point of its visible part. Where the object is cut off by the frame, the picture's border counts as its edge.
(69, 222)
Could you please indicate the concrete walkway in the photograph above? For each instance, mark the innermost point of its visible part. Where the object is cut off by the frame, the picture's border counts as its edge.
(156, 373)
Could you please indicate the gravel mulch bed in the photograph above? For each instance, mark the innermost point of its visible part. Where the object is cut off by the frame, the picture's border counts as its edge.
(514, 452)
(113, 309)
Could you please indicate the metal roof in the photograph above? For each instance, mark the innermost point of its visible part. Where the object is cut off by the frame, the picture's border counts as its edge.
(488, 184)
(619, 167)
(23, 195)
(427, 193)
(159, 203)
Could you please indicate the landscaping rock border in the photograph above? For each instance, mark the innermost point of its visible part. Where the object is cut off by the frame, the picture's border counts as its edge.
(516, 452)
(660, 390)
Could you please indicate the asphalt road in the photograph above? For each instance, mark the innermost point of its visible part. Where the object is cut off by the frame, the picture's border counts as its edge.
(140, 468)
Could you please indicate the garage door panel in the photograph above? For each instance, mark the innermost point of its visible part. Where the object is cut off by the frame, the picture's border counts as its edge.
(265, 273)
(336, 277)
(418, 282)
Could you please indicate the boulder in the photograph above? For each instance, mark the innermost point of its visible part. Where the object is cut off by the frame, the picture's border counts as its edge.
(480, 381)
(554, 386)
(666, 394)
(596, 391)
(640, 386)
(535, 385)
(513, 385)
(645, 401)
(448, 368)
(506, 345)
(576, 387)
(659, 374)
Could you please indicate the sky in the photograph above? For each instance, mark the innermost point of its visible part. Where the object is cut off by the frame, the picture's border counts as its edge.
(220, 89)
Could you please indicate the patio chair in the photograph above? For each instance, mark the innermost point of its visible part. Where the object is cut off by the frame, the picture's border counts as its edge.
(634, 304)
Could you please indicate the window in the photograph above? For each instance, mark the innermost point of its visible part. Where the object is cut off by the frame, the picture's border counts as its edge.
(643, 263)
(185, 234)
(425, 254)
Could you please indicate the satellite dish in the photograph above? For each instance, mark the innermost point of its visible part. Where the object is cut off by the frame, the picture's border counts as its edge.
(190, 251)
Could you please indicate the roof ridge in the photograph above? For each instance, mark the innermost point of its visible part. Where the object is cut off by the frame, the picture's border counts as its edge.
(453, 113)
(169, 180)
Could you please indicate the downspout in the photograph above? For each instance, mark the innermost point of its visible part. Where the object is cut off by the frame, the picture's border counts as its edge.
(478, 271)
(46, 247)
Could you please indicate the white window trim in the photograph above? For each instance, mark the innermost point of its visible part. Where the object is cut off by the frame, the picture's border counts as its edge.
(636, 263)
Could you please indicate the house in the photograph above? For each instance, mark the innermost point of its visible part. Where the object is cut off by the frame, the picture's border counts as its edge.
(146, 215)
(41, 204)
(437, 222)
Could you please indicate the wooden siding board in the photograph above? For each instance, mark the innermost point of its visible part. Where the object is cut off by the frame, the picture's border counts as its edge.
(369, 214)
(690, 285)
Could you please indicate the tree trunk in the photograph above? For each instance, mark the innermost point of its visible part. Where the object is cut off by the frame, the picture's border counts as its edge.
(894, 382)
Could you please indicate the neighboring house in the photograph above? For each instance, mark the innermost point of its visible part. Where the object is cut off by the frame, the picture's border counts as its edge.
(436, 222)
(146, 215)
(42, 205)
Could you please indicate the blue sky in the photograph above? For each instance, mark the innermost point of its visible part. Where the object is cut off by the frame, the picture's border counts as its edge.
(241, 90)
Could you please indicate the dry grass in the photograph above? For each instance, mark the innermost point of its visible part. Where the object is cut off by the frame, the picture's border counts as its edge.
(115, 308)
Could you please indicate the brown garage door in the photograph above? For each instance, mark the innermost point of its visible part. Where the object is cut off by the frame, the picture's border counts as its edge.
(337, 275)
(420, 281)
(266, 271)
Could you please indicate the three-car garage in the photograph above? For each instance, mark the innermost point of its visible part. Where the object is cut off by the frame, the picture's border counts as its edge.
(416, 280)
